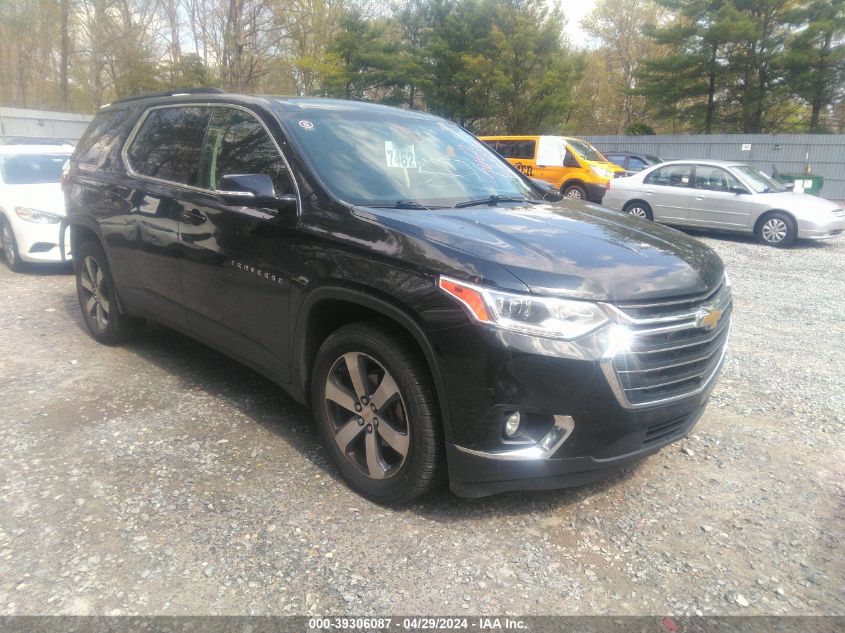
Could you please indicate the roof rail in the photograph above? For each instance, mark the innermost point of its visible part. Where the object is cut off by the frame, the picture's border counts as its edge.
(171, 93)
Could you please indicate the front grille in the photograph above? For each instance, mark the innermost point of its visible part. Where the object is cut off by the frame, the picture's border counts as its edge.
(671, 355)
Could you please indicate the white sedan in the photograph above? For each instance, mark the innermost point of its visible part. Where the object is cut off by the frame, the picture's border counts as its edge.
(32, 205)
(725, 196)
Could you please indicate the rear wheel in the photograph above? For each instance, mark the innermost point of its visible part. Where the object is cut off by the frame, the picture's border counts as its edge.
(574, 191)
(639, 210)
(10, 245)
(777, 229)
(377, 414)
(97, 298)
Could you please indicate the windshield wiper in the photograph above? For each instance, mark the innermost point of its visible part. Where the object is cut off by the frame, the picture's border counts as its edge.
(494, 200)
(403, 204)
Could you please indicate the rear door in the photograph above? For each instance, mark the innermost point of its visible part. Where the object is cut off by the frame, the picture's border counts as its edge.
(667, 191)
(713, 204)
(161, 158)
(236, 260)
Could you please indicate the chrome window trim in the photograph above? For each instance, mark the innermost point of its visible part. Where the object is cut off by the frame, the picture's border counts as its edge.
(124, 152)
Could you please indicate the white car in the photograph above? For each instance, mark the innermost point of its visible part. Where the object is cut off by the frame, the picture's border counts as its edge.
(725, 196)
(32, 205)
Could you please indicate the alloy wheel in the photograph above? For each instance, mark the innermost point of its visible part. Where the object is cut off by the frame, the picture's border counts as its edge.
(368, 417)
(638, 212)
(8, 245)
(774, 230)
(574, 192)
(95, 292)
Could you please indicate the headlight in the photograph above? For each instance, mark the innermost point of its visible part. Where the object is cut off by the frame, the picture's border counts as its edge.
(528, 314)
(601, 171)
(33, 215)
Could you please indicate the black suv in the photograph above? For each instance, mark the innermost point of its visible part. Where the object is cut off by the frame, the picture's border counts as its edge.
(443, 320)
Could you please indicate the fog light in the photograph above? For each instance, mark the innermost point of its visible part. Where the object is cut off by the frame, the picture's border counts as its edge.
(512, 424)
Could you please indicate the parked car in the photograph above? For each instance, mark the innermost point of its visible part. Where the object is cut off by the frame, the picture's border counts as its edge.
(31, 202)
(632, 162)
(576, 168)
(441, 318)
(728, 197)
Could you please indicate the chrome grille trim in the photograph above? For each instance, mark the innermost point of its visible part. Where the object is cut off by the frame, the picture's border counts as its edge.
(635, 374)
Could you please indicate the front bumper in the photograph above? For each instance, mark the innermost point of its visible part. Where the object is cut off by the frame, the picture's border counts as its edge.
(821, 229)
(38, 242)
(595, 192)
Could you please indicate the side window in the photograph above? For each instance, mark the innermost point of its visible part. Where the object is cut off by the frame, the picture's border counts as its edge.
(713, 178)
(524, 149)
(635, 163)
(507, 149)
(616, 159)
(569, 160)
(237, 143)
(671, 176)
(96, 147)
(168, 144)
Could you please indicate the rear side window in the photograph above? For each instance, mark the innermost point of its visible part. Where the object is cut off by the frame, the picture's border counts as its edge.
(168, 144)
(671, 176)
(635, 163)
(617, 159)
(98, 146)
(517, 149)
(237, 143)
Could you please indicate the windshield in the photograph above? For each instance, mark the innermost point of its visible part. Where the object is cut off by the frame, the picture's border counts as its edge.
(375, 160)
(585, 150)
(758, 181)
(32, 169)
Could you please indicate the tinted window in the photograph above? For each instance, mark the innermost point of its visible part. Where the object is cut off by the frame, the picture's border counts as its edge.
(516, 149)
(237, 143)
(101, 139)
(635, 163)
(671, 175)
(168, 144)
(713, 178)
(32, 169)
(616, 159)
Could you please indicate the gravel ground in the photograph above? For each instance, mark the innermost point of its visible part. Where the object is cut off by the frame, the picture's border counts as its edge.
(161, 477)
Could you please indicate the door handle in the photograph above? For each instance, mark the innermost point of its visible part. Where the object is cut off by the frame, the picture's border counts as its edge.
(194, 217)
(699, 197)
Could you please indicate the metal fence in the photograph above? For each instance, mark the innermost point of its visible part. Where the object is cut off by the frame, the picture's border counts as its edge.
(20, 124)
(823, 154)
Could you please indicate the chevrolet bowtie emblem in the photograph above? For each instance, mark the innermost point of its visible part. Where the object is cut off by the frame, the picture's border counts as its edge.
(707, 317)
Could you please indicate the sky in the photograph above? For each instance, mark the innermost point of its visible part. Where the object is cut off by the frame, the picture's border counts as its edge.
(575, 11)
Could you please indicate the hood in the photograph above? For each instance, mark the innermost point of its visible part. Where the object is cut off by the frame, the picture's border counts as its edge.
(792, 201)
(41, 197)
(570, 248)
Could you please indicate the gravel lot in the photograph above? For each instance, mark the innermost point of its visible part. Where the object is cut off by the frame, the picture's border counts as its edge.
(162, 477)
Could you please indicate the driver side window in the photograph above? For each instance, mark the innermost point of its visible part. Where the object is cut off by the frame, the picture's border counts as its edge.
(236, 143)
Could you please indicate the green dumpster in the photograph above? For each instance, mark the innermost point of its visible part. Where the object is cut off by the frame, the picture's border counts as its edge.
(802, 183)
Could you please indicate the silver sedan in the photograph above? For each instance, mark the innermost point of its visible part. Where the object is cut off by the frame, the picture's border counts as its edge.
(725, 196)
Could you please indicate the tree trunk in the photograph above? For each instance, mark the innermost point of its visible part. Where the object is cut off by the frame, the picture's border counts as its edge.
(64, 55)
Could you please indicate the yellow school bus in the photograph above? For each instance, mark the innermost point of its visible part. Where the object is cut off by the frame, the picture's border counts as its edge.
(572, 165)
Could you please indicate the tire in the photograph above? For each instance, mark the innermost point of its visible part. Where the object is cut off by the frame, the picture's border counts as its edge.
(639, 210)
(777, 229)
(387, 467)
(10, 246)
(576, 192)
(97, 297)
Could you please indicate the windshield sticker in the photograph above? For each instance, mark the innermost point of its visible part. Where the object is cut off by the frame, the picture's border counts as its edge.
(396, 155)
(306, 125)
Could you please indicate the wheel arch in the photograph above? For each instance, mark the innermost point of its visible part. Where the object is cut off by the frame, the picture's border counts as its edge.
(767, 214)
(573, 181)
(330, 307)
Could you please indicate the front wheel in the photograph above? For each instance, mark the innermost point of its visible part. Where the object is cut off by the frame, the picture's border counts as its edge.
(10, 245)
(576, 192)
(375, 407)
(97, 298)
(639, 210)
(777, 229)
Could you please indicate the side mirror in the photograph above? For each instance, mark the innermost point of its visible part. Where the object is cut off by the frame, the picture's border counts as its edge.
(790, 186)
(252, 190)
(739, 190)
(550, 192)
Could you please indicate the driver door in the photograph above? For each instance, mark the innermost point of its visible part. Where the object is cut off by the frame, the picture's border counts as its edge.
(236, 260)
